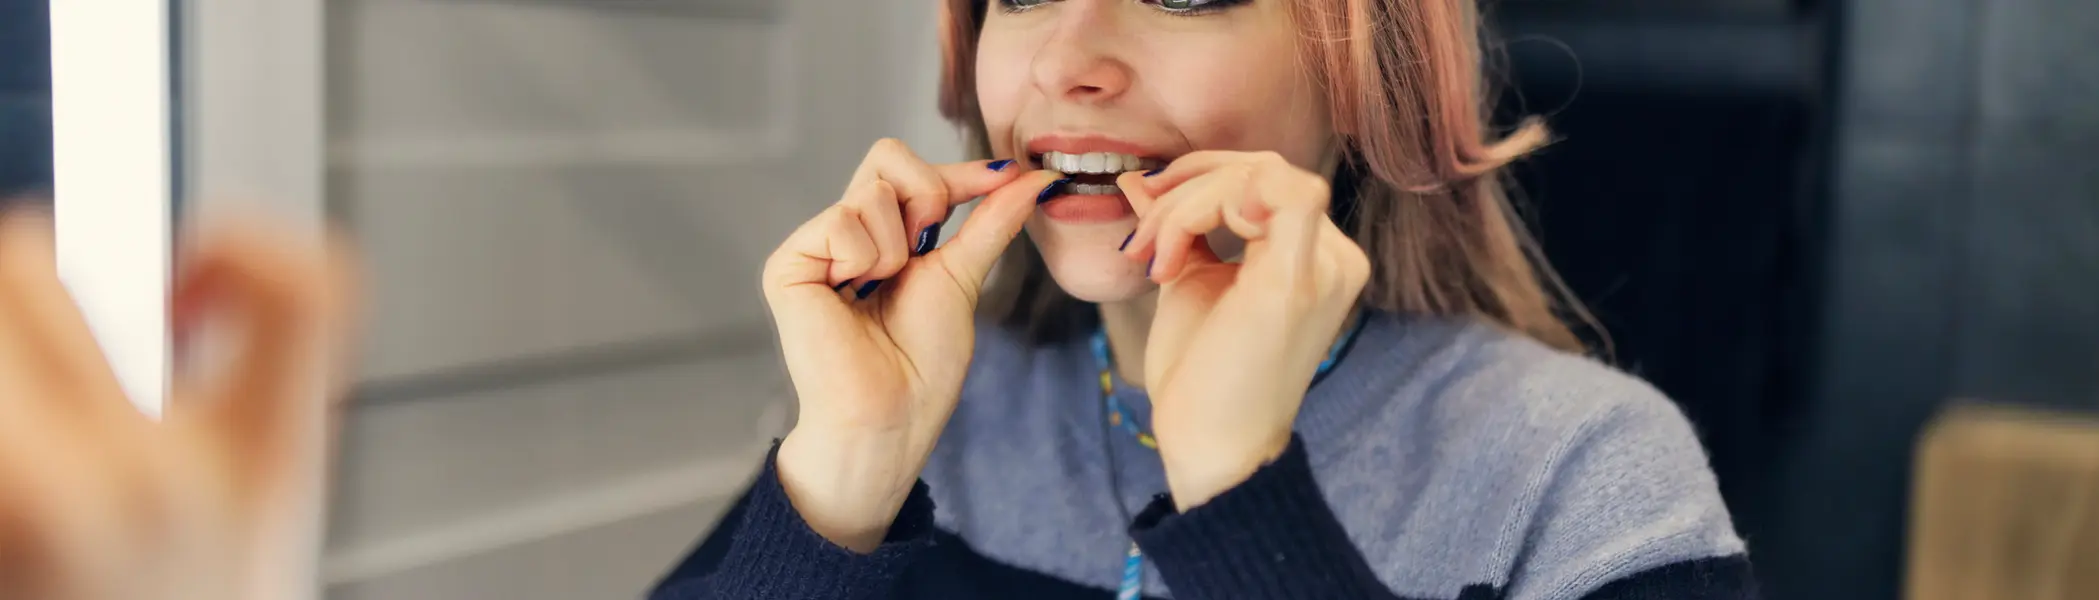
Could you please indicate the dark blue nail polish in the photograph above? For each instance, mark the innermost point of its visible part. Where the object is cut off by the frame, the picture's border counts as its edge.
(999, 165)
(867, 290)
(1126, 241)
(1148, 265)
(841, 285)
(926, 239)
(1155, 171)
(1051, 191)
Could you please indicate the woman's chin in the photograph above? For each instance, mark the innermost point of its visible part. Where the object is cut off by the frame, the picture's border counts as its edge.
(1102, 280)
(1087, 261)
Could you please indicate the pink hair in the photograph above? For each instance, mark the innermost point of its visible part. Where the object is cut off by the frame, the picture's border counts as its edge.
(1406, 90)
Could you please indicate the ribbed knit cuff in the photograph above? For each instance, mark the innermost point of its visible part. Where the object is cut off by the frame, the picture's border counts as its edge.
(1272, 537)
(777, 555)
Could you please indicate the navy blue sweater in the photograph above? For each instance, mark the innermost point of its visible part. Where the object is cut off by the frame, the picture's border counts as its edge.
(1441, 461)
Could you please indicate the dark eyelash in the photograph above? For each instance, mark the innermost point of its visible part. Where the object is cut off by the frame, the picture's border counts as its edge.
(1013, 7)
(1009, 7)
(1196, 11)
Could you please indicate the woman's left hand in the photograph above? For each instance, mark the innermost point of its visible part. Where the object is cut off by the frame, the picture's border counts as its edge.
(221, 498)
(1234, 346)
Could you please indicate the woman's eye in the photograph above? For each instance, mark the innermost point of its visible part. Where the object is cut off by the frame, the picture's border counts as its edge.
(1178, 7)
(1193, 7)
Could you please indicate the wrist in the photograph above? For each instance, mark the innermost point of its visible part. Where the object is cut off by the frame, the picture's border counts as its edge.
(847, 485)
(1195, 474)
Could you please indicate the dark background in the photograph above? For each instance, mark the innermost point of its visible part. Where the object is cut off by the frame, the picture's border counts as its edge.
(25, 96)
(1817, 223)
(1813, 223)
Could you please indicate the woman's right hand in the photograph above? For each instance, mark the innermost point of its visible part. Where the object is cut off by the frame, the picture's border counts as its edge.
(877, 328)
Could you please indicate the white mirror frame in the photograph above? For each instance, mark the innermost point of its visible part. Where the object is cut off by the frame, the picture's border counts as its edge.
(113, 179)
(241, 81)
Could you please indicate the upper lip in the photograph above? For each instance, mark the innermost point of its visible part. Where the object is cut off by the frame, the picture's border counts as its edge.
(1070, 143)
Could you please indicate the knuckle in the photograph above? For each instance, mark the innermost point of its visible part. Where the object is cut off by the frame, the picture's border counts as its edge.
(936, 193)
(1315, 186)
(881, 191)
(855, 192)
(844, 214)
(889, 263)
(769, 276)
(888, 145)
(1317, 192)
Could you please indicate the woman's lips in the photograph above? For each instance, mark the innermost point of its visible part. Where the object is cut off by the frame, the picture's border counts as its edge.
(1085, 198)
(1087, 208)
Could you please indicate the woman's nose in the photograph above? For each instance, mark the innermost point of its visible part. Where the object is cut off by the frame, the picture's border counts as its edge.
(1078, 61)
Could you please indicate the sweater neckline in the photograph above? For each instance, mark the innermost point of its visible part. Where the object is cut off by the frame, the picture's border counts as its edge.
(1328, 406)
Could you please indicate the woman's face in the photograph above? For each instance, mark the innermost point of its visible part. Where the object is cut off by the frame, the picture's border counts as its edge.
(1102, 86)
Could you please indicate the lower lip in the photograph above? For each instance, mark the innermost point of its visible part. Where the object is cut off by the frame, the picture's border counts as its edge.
(1092, 208)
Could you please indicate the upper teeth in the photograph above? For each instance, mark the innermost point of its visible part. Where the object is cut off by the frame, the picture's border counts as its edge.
(1092, 162)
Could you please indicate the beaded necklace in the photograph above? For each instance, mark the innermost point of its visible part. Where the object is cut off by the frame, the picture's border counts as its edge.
(1118, 417)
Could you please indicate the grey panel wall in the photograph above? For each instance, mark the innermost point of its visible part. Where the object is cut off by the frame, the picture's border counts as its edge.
(564, 206)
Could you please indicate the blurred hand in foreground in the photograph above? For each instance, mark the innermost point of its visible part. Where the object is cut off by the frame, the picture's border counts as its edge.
(217, 500)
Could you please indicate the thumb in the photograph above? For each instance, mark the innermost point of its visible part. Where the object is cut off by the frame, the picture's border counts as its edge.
(967, 180)
(991, 227)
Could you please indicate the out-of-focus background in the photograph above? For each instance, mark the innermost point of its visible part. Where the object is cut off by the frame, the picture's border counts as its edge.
(1815, 223)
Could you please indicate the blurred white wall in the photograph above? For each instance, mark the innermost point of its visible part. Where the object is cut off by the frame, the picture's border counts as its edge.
(564, 205)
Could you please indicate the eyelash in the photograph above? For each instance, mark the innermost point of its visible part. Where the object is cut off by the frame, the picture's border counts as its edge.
(1012, 7)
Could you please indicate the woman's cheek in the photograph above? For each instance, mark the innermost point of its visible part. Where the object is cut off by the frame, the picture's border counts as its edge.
(1002, 85)
(1260, 107)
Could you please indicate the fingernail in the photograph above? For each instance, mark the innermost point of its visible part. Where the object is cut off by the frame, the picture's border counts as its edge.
(926, 239)
(1051, 191)
(999, 165)
(1148, 265)
(866, 290)
(841, 285)
(1155, 171)
(1126, 241)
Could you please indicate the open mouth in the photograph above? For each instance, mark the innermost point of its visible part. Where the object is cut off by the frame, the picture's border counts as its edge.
(1093, 173)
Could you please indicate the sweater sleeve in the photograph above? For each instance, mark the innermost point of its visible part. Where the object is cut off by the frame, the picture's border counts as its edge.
(1274, 537)
(762, 549)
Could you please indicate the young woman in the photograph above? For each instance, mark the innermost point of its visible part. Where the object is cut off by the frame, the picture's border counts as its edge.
(1271, 331)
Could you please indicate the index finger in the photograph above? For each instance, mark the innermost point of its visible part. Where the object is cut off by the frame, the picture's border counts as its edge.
(928, 192)
(1190, 166)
